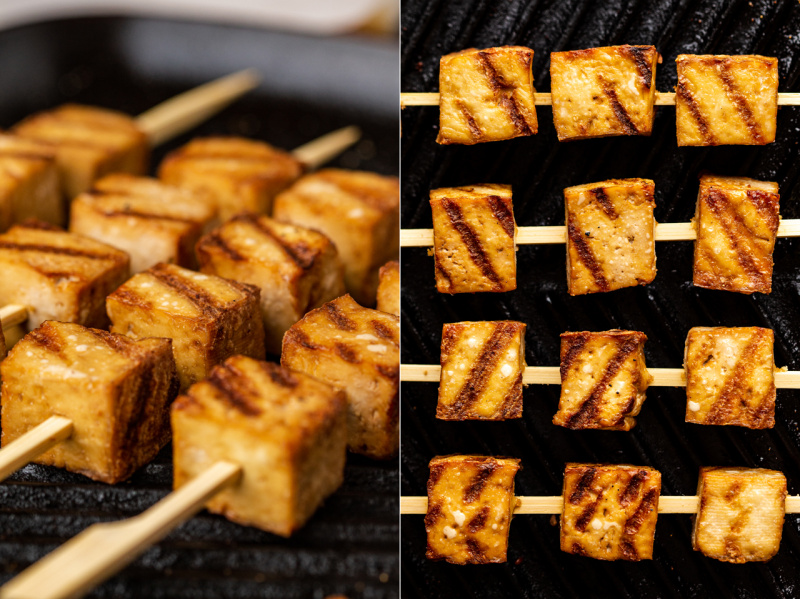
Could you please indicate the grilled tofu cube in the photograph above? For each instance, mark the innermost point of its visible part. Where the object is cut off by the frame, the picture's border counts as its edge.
(29, 186)
(89, 142)
(296, 269)
(730, 376)
(355, 349)
(610, 511)
(286, 430)
(603, 380)
(116, 391)
(741, 514)
(474, 239)
(737, 222)
(208, 318)
(241, 175)
(359, 211)
(603, 91)
(486, 95)
(150, 221)
(470, 505)
(610, 235)
(482, 366)
(58, 275)
(389, 288)
(724, 100)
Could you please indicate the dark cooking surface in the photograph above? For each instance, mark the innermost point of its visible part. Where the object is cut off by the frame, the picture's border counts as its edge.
(539, 168)
(311, 86)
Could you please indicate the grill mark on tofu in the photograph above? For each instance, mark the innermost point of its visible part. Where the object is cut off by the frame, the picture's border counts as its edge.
(234, 388)
(479, 520)
(588, 512)
(577, 549)
(628, 126)
(483, 473)
(117, 343)
(443, 273)
(504, 93)
(203, 300)
(583, 486)
(474, 130)
(471, 240)
(300, 253)
(301, 338)
(767, 206)
(51, 342)
(684, 94)
(738, 100)
(474, 551)
(280, 376)
(578, 342)
(346, 353)
(634, 523)
(643, 68)
(61, 251)
(436, 472)
(632, 488)
(605, 203)
(338, 318)
(503, 214)
(382, 331)
(138, 413)
(434, 513)
(214, 239)
(146, 216)
(585, 254)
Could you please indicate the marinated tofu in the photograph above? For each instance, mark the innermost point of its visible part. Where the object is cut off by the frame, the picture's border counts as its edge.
(89, 142)
(737, 223)
(474, 239)
(741, 514)
(486, 95)
(58, 275)
(723, 100)
(240, 175)
(389, 288)
(470, 505)
(355, 349)
(730, 376)
(296, 269)
(287, 430)
(482, 367)
(610, 235)
(115, 390)
(29, 186)
(207, 317)
(359, 211)
(602, 92)
(150, 221)
(603, 380)
(610, 511)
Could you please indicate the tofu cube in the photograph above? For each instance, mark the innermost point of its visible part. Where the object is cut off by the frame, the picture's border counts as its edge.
(241, 175)
(482, 367)
(603, 380)
(89, 142)
(116, 391)
(730, 376)
(741, 514)
(602, 92)
(296, 269)
(610, 511)
(737, 223)
(207, 317)
(474, 239)
(389, 288)
(150, 221)
(355, 349)
(58, 275)
(726, 100)
(29, 185)
(610, 235)
(470, 505)
(286, 430)
(359, 211)
(486, 95)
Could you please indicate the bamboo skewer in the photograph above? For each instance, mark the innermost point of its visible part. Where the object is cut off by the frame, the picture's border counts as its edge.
(12, 315)
(33, 443)
(319, 151)
(102, 550)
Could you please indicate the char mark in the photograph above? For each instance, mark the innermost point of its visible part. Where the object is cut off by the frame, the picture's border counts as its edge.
(199, 297)
(434, 513)
(585, 255)
(605, 203)
(628, 126)
(475, 487)
(639, 56)
(739, 101)
(282, 377)
(48, 341)
(684, 94)
(576, 344)
(48, 249)
(502, 212)
(471, 241)
(338, 318)
(299, 252)
(474, 130)
(587, 514)
(148, 216)
(479, 520)
(214, 239)
(583, 486)
(235, 389)
(645, 507)
(383, 331)
(346, 353)
(632, 489)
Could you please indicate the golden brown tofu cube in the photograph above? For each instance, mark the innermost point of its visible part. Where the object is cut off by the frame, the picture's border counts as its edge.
(603, 380)
(470, 505)
(730, 376)
(610, 235)
(89, 142)
(116, 391)
(389, 288)
(355, 349)
(486, 95)
(603, 91)
(474, 239)
(29, 186)
(741, 514)
(610, 511)
(296, 269)
(58, 275)
(482, 366)
(726, 100)
(286, 430)
(359, 211)
(207, 317)
(737, 222)
(241, 175)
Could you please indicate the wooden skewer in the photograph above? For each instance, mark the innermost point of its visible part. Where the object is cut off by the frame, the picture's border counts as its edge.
(558, 234)
(13, 315)
(103, 549)
(181, 113)
(319, 151)
(33, 443)
(544, 99)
